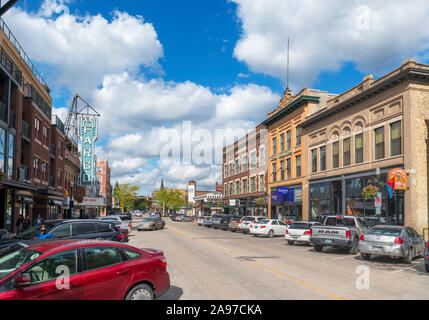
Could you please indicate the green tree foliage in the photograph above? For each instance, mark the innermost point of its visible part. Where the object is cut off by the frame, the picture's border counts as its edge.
(125, 195)
(172, 199)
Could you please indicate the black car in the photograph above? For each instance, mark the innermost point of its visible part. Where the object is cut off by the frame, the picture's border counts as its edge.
(70, 230)
(427, 257)
(224, 222)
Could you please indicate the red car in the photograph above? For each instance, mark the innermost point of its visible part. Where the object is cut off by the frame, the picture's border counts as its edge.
(87, 270)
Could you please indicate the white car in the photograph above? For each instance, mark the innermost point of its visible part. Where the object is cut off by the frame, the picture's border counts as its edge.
(300, 232)
(269, 228)
(247, 221)
(124, 225)
(200, 220)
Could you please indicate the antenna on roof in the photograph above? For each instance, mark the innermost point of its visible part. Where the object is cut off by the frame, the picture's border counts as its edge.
(288, 50)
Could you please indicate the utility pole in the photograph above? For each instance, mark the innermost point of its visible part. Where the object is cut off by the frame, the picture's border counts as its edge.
(5, 7)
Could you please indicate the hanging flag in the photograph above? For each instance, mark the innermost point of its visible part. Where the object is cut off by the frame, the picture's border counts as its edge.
(390, 185)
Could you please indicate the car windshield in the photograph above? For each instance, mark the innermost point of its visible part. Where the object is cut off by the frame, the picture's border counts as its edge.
(385, 232)
(31, 233)
(15, 260)
(300, 226)
(148, 219)
(263, 221)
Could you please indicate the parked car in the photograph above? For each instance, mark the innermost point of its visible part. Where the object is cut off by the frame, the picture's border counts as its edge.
(393, 241)
(122, 227)
(71, 229)
(186, 218)
(99, 270)
(216, 221)
(208, 221)
(427, 257)
(299, 232)
(246, 221)
(224, 222)
(124, 224)
(338, 232)
(151, 223)
(268, 227)
(234, 224)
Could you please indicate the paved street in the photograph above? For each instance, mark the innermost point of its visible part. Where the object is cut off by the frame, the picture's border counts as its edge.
(207, 264)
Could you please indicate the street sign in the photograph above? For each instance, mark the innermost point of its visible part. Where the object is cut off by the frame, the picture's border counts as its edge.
(378, 202)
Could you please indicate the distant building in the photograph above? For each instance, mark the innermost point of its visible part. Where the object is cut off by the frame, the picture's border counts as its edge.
(103, 177)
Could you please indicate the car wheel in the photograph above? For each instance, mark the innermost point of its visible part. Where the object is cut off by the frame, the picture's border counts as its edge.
(365, 256)
(318, 248)
(141, 292)
(271, 234)
(355, 247)
(291, 243)
(409, 258)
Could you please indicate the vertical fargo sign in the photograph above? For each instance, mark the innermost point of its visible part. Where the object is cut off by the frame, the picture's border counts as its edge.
(88, 127)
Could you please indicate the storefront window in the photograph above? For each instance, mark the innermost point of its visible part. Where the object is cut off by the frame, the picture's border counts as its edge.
(320, 200)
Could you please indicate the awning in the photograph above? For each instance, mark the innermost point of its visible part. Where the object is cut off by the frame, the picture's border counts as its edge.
(56, 203)
(27, 200)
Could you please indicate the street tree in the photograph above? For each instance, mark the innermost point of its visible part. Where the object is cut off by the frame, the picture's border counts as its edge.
(125, 195)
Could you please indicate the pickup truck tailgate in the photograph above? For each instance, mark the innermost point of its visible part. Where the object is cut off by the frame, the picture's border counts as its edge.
(330, 232)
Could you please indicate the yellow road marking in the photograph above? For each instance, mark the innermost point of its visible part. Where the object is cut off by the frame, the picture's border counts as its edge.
(278, 273)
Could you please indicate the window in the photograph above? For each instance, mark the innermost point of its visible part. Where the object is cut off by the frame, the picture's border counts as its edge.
(230, 189)
(282, 170)
(226, 171)
(262, 182)
(335, 155)
(298, 136)
(379, 143)
(244, 163)
(44, 171)
(237, 187)
(323, 158)
(63, 231)
(231, 173)
(274, 172)
(346, 152)
(289, 140)
(38, 133)
(45, 135)
(359, 148)
(282, 143)
(298, 166)
(289, 168)
(10, 167)
(262, 157)
(97, 258)
(2, 149)
(314, 160)
(237, 166)
(36, 168)
(47, 269)
(225, 189)
(396, 139)
(83, 228)
(131, 253)
(244, 186)
(103, 227)
(274, 146)
(253, 184)
(59, 176)
(253, 160)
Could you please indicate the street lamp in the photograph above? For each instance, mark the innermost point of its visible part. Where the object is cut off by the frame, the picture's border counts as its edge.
(71, 200)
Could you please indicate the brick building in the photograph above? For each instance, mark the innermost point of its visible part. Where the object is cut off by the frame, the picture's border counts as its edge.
(245, 166)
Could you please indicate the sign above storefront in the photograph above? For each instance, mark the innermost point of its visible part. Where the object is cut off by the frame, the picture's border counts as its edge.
(283, 190)
(88, 131)
(93, 202)
(401, 181)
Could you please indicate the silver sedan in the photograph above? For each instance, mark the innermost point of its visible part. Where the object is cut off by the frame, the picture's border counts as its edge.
(392, 241)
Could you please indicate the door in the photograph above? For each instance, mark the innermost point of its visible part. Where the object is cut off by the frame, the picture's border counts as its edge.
(282, 228)
(418, 242)
(106, 275)
(275, 226)
(54, 278)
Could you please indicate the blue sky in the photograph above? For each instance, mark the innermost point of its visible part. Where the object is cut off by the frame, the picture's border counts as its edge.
(147, 66)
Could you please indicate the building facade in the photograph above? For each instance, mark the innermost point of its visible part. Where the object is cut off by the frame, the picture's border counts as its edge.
(245, 178)
(360, 136)
(103, 176)
(287, 184)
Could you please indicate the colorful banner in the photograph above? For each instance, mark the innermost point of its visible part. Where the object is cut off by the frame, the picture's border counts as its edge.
(401, 179)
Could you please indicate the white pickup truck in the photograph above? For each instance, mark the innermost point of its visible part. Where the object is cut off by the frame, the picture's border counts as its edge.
(338, 232)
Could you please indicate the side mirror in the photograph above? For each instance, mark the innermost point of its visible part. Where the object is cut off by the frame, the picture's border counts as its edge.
(22, 282)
